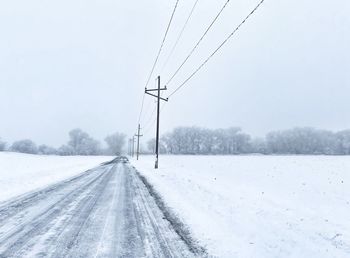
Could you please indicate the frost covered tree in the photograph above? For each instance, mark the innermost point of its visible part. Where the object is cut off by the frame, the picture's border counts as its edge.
(66, 150)
(258, 145)
(343, 142)
(24, 146)
(83, 144)
(47, 150)
(151, 146)
(301, 141)
(231, 141)
(116, 143)
(196, 140)
(2, 145)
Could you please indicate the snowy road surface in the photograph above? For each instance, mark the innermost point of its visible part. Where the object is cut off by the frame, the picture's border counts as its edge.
(105, 212)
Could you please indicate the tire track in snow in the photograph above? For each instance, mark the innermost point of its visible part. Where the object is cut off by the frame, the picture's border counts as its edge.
(105, 212)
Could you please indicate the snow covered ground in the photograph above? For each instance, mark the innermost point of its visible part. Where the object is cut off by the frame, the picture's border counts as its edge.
(106, 212)
(20, 173)
(259, 206)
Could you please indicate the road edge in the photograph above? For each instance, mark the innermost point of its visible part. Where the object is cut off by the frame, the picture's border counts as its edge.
(180, 227)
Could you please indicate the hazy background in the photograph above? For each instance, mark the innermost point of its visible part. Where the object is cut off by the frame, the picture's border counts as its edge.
(70, 63)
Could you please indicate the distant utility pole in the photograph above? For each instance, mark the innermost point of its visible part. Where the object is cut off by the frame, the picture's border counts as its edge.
(159, 98)
(138, 135)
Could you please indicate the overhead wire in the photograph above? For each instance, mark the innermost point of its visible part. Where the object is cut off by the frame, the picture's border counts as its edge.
(147, 107)
(152, 124)
(198, 42)
(163, 41)
(150, 117)
(180, 34)
(217, 49)
(176, 43)
(143, 102)
(158, 55)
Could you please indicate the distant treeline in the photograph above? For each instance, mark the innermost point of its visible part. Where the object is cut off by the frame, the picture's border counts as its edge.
(232, 141)
(80, 143)
(196, 140)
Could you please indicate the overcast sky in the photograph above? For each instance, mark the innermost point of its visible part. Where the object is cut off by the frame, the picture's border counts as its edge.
(84, 63)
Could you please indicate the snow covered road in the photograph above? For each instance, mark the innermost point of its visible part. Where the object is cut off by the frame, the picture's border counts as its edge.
(105, 212)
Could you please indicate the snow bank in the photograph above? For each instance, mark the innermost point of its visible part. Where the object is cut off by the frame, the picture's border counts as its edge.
(259, 206)
(20, 173)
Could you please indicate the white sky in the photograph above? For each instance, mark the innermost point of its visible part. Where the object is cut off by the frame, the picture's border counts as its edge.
(84, 63)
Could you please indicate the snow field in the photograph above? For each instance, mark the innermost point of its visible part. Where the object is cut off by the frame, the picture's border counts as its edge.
(259, 206)
(20, 173)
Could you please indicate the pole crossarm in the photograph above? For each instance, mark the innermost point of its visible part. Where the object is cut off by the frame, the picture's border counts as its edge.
(146, 90)
(156, 96)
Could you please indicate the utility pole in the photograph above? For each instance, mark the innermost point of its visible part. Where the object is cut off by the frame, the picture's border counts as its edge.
(159, 98)
(138, 135)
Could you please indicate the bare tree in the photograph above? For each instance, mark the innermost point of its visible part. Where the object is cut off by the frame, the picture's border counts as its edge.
(301, 141)
(196, 140)
(66, 150)
(116, 143)
(47, 150)
(151, 146)
(343, 142)
(25, 146)
(83, 144)
(2, 145)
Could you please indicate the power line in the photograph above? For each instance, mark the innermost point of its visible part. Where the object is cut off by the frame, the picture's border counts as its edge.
(159, 51)
(148, 105)
(217, 49)
(180, 35)
(147, 129)
(151, 125)
(150, 117)
(143, 102)
(146, 113)
(163, 41)
(199, 41)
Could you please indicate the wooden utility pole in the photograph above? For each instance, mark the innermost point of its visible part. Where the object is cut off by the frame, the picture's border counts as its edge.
(159, 98)
(138, 135)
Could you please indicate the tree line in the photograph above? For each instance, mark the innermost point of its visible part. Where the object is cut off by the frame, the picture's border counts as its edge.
(202, 141)
(233, 141)
(80, 143)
